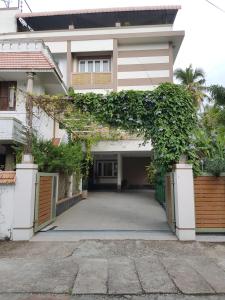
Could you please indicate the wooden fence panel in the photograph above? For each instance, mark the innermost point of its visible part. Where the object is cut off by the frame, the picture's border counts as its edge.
(46, 194)
(210, 203)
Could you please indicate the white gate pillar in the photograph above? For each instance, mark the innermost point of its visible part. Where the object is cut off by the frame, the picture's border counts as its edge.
(184, 202)
(24, 201)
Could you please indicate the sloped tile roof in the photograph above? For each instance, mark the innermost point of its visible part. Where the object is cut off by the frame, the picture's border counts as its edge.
(25, 60)
(7, 177)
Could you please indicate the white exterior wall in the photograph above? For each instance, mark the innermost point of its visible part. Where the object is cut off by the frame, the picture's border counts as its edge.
(6, 209)
(57, 47)
(8, 20)
(10, 129)
(61, 60)
(90, 46)
(42, 124)
(93, 32)
(121, 146)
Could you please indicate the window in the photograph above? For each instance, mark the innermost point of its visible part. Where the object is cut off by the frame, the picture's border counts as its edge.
(82, 66)
(106, 65)
(94, 65)
(7, 95)
(106, 168)
(97, 66)
(90, 66)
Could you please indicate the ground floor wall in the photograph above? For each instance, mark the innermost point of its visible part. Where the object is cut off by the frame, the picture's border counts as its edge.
(111, 170)
(134, 171)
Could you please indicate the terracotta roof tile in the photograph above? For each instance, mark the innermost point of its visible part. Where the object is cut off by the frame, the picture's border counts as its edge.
(24, 60)
(7, 177)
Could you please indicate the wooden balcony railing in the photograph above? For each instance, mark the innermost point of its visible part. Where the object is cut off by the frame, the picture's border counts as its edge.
(91, 80)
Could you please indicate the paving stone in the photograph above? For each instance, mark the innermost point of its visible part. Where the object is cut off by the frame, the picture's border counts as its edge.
(153, 276)
(214, 275)
(34, 297)
(92, 277)
(151, 297)
(123, 277)
(37, 276)
(185, 277)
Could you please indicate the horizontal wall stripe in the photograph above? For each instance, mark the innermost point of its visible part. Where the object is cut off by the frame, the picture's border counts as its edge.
(143, 53)
(143, 47)
(142, 81)
(143, 74)
(137, 87)
(143, 67)
(143, 60)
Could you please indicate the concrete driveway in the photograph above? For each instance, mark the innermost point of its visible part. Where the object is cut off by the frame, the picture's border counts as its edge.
(131, 210)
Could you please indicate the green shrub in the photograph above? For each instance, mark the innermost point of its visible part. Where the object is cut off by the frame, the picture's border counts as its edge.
(215, 165)
(65, 158)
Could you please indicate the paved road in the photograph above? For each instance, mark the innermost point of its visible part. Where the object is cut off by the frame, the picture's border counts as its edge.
(132, 210)
(134, 270)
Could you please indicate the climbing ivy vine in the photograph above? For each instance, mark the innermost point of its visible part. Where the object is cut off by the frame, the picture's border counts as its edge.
(166, 116)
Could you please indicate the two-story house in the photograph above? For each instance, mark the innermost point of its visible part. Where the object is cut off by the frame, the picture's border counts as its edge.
(101, 50)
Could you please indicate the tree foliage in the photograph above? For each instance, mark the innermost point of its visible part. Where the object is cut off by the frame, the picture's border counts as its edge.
(210, 134)
(194, 81)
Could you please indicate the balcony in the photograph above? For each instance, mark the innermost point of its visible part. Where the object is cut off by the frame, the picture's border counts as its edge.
(11, 130)
(83, 81)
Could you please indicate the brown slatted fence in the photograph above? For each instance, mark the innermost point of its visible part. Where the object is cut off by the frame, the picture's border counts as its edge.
(46, 195)
(210, 203)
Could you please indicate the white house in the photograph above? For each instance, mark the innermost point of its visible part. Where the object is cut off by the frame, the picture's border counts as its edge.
(99, 50)
(25, 65)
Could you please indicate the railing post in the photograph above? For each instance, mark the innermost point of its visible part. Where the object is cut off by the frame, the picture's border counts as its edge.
(184, 202)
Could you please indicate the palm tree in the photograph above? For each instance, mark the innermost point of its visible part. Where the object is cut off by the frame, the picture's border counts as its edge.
(194, 80)
(217, 93)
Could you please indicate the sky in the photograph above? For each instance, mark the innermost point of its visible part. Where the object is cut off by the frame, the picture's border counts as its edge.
(204, 25)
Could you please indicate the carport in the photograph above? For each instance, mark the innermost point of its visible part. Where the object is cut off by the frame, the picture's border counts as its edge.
(135, 210)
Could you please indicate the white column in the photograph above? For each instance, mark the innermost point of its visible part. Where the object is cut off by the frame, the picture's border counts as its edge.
(27, 157)
(184, 202)
(70, 188)
(24, 201)
(119, 171)
(30, 82)
(80, 185)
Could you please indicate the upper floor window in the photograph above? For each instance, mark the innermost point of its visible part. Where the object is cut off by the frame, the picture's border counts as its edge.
(94, 65)
(7, 95)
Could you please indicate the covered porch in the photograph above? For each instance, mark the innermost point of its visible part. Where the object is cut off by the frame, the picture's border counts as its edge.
(120, 165)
